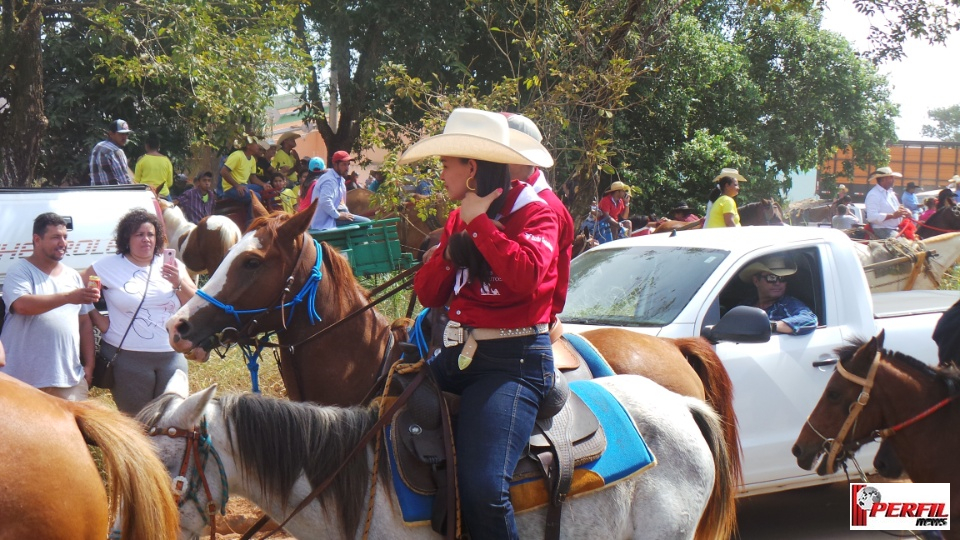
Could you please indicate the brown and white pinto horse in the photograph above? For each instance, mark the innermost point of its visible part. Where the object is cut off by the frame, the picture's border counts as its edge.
(203, 246)
(52, 488)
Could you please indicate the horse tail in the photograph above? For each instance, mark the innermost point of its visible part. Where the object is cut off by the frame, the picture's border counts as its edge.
(718, 389)
(719, 519)
(135, 476)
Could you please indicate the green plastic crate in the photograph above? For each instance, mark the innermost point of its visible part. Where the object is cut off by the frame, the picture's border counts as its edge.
(371, 248)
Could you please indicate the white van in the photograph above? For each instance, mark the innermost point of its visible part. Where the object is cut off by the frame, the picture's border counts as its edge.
(91, 212)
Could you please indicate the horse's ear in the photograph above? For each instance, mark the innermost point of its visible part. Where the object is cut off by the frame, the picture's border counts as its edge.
(257, 207)
(299, 223)
(189, 413)
(879, 338)
(178, 384)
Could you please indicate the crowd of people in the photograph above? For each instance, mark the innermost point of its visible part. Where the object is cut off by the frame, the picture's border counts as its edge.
(273, 172)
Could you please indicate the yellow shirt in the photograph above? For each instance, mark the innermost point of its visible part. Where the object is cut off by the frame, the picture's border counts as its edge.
(283, 159)
(240, 166)
(156, 172)
(288, 198)
(723, 205)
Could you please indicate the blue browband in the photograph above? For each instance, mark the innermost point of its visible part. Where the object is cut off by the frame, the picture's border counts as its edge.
(308, 292)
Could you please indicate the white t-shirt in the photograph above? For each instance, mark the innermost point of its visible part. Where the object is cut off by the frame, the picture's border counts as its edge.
(43, 350)
(123, 285)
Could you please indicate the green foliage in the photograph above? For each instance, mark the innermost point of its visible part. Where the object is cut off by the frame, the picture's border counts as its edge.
(947, 126)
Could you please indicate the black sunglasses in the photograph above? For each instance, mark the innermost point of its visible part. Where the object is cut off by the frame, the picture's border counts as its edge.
(773, 278)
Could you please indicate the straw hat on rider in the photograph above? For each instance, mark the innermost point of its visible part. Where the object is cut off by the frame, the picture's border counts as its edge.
(617, 186)
(773, 264)
(476, 134)
(883, 172)
(729, 172)
(286, 137)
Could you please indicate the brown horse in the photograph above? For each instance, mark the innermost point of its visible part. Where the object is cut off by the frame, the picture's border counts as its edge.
(52, 488)
(358, 202)
(671, 225)
(801, 214)
(945, 220)
(910, 404)
(762, 212)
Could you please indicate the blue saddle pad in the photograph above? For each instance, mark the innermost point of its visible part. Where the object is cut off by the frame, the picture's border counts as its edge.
(595, 361)
(626, 454)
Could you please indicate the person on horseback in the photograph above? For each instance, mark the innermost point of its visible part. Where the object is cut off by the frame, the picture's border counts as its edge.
(682, 212)
(535, 178)
(614, 207)
(497, 259)
(723, 209)
(884, 211)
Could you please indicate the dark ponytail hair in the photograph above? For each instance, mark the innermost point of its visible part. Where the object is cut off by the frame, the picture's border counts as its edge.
(463, 252)
(718, 190)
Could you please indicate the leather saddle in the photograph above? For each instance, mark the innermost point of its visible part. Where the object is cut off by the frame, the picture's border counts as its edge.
(567, 434)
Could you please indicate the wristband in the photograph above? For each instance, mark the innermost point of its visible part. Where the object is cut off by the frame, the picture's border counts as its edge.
(773, 327)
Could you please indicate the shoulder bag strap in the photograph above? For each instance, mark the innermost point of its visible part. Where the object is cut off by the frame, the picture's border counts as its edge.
(134, 318)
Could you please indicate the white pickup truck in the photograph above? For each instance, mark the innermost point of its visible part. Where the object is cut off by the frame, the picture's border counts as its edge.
(91, 213)
(681, 285)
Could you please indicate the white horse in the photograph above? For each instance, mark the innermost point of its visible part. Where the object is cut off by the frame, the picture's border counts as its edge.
(201, 247)
(274, 451)
(906, 276)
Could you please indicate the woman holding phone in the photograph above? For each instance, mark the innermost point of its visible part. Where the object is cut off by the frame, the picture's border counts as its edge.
(143, 286)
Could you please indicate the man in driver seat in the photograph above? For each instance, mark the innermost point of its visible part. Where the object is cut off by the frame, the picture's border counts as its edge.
(787, 314)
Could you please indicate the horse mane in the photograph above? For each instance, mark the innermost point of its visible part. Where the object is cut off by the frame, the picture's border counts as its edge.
(845, 353)
(176, 224)
(313, 441)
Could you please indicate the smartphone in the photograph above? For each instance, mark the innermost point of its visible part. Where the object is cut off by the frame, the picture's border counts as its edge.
(169, 257)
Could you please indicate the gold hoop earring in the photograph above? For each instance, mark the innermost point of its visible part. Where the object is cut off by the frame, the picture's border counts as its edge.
(474, 188)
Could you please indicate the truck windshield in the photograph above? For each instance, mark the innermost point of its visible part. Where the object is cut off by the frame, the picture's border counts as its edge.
(636, 286)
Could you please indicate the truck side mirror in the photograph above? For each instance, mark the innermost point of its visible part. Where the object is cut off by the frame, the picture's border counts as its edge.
(742, 324)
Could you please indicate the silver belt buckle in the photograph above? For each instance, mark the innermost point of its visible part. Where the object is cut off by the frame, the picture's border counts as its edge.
(453, 334)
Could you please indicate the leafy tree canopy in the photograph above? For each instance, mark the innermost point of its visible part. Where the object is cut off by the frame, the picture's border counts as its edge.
(947, 127)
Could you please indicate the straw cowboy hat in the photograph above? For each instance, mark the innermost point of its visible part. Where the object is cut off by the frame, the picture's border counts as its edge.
(617, 186)
(286, 137)
(476, 134)
(883, 171)
(729, 172)
(774, 264)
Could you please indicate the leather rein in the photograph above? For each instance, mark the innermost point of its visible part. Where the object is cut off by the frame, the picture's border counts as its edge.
(836, 444)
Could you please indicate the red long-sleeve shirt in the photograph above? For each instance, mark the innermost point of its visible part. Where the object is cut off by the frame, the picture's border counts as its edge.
(564, 238)
(522, 259)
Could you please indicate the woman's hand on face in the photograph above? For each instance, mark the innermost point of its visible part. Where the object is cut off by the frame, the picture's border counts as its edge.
(474, 205)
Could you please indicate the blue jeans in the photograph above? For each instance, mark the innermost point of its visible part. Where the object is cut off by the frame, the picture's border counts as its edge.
(356, 219)
(252, 189)
(500, 393)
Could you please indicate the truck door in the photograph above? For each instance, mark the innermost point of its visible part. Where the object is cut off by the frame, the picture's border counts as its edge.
(776, 384)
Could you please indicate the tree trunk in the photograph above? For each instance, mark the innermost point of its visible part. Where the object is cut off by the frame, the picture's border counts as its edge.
(22, 119)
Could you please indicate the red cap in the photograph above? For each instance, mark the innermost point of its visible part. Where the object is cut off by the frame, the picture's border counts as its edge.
(340, 155)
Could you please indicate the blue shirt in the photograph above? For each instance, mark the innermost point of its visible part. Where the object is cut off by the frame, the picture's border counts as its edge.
(791, 311)
(911, 203)
(330, 190)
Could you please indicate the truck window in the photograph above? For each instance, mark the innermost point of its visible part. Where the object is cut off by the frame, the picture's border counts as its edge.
(806, 284)
(636, 286)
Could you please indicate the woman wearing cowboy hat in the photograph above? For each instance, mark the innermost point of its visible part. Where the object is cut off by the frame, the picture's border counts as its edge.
(723, 210)
(614, 206)
(496, 265)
